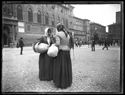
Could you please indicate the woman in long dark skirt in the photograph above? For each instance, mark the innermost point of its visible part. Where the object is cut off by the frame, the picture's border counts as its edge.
(62, 69)
(46, 62)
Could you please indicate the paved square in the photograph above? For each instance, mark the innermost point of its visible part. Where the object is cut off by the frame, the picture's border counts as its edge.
(97, 71)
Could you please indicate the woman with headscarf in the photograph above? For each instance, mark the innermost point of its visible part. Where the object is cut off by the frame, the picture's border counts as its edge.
(62, 69)
(46, 62)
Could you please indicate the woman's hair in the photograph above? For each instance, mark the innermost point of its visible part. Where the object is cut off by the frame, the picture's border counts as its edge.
(60, 27)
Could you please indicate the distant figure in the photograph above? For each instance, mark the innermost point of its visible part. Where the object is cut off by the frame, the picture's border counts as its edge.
(105, 44)
(93, 45)
(21, 45)
(76, 43)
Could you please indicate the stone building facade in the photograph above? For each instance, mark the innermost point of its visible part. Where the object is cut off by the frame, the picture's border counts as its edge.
(30, 20)
(81, 29)
(86, 29)
(97, 29)
(38, 17)
(115, 29)
(118, 17)
(9, 25)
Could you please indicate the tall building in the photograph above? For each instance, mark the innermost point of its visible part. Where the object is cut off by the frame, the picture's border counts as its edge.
(9, 24)
(81, 28)
(118, 17)
(115, 29)
(78, 28)
(30, 20)
(86, 28)
(98, 29)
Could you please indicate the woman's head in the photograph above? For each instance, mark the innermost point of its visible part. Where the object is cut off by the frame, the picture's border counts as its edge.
(60, 27)
(48, 32)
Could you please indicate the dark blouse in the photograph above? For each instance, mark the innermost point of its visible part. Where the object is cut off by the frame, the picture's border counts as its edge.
(43, 39)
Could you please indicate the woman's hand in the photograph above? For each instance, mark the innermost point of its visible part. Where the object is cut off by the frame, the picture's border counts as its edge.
(57, 43)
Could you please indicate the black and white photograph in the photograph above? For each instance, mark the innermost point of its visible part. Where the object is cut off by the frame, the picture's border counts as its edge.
(62, 47)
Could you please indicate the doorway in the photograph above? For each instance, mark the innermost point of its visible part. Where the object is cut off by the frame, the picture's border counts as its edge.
(6, 36)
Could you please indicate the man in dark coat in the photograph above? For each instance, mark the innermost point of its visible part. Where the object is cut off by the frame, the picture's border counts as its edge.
(21, 45)
(93, 45)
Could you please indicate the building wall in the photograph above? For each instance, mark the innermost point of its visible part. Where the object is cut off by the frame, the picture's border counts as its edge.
(34, 30)
(81, 28)
(118, 17)
(9, 25)
(86, 29)
(65, 14)
(99, 29)
(115, 29)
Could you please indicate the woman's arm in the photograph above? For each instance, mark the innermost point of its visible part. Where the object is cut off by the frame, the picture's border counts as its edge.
(41, 40)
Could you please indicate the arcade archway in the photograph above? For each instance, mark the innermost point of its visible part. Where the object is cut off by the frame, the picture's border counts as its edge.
(6, 36)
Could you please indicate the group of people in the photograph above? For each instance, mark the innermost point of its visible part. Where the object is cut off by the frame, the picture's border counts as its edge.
(57, 69)
(105, 43)
(79, 43)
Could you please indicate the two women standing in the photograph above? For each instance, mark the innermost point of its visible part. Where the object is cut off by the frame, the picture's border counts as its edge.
(59, 68)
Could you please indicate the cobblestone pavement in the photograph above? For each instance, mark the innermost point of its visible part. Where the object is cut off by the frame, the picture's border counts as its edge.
(97, 71)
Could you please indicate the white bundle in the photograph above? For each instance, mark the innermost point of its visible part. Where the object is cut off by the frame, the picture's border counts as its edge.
(41, 48)
(52, 51)
(35, 47)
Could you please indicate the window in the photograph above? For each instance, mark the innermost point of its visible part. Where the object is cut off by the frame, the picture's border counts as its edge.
(63, 20)
(28, 27)
(7, 10)
(42, 30)
(67, 23)
(58, 19)
(30, 15)
(19, 12)
(53, 20)
(39, 17)
(47, 19)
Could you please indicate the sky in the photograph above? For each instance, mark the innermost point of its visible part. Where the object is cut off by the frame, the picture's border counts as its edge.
(104, 14)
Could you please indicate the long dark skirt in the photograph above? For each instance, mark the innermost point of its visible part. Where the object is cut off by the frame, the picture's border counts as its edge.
(62, 70)
(45, 67)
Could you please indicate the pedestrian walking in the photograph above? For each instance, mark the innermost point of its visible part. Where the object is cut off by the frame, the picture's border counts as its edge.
(105, 44)
(62, 69)
(21, 45)
(45, 61)
(93, 45)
